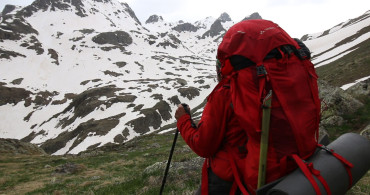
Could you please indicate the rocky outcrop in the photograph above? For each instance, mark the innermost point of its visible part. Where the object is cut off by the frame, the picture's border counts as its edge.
(117, 38)
(15, 147)
(185, 27)
(14, 26)
(86, 102)
(224, 17)
(152, 118)
(216, 29)
(69, 168)
(189, 92)
(10, 95)
(34, 44)
(54, 5)
(91, 127)
(153, 19)
(336, 103)
(194, 164)
(253, 16)
(340, 103)
(7, 9)
(54, 55)
(9, 54)
(360, 90)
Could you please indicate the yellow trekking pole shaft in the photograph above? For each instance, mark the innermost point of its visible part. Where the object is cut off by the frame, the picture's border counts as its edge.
(266, 113)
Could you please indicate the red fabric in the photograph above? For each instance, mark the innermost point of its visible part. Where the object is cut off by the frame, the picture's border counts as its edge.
(218, 132)
(253, 39)
(236, 173)
(348, 167)
(226, 68)
(306, 171)
(295, 112)
(318, 176)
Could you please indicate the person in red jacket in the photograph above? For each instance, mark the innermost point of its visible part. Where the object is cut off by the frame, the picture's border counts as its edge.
(218, 138)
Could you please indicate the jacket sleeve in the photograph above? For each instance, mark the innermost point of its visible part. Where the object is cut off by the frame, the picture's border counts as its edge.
(206, 139)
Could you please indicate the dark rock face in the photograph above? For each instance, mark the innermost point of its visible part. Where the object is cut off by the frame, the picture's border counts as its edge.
(54, 55)
(14, 26)
(12, 95)
(172, 41)
(95, 127)
(216, 29)
(224, 17)
(86, 102)
(185, 27)
(254, 16)
(54, 5)
(117, 38)
(7, 9)
(175, 100)
(189, 92)
(17, 81)
(153, 117)
(9, 54)
(164, 110)
(154, 19)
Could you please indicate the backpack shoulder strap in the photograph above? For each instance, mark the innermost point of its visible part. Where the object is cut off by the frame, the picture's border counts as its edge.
(236, 174)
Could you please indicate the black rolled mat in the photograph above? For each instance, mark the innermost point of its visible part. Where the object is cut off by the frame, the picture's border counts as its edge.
(353, 147)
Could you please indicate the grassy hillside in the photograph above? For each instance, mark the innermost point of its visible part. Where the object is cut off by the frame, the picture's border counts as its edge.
(349, 68)
(133, 168)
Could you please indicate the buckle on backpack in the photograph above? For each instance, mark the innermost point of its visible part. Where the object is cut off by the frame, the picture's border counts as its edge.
(261, 71)
(326, 149)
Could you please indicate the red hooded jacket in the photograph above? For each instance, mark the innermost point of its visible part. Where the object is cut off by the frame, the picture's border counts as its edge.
(217, 136)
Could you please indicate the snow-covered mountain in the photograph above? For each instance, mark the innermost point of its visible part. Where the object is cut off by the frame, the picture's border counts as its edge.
(338, 41)
(84, 73)
(342, 51)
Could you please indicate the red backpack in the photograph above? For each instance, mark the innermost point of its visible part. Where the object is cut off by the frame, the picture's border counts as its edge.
(277, 63)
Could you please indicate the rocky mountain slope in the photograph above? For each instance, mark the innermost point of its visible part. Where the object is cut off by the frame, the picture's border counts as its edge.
(81, 74)
(341, 53)
(77, 75)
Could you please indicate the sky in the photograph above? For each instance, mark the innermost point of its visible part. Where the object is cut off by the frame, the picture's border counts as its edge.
(297, 17)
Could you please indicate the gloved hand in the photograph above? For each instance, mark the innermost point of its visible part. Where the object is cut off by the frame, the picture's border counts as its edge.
(181, 111)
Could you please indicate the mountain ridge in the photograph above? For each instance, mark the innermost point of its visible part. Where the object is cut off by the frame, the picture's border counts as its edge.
(100, 76)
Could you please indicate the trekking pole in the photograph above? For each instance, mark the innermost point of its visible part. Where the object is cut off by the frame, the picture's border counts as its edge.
(186, 107)
(266, 113)
(169, 162)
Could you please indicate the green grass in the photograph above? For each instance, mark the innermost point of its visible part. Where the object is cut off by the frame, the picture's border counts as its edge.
(116, 171)
(120, 169)
(349, 68)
